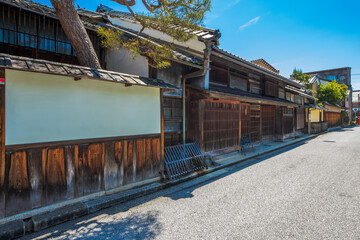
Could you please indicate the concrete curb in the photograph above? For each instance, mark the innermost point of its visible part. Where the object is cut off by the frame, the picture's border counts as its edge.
(66, 213)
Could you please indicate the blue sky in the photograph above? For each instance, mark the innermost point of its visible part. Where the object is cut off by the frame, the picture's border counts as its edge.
(307, 34)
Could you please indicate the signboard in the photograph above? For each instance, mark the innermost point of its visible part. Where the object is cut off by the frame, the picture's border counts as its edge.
(355, 109)
(2, 80)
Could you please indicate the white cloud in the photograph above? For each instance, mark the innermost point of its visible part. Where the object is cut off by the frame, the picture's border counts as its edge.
(233, 3)
(210, 18)
(249, 23)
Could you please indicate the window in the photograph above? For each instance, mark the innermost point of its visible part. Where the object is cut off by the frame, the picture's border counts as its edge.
(333, 77)
(292, 97)
(219, 76)
(271, 89)
(238, 83)
(255, 87)
(281, 93)
(298, 99)
(288, 96)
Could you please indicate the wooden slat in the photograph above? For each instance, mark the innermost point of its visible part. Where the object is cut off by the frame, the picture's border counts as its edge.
(149, 168)
(113, 176)
(18, 174)
(76, 142)
(140, 159)
(55, 168)
(2, 133)
(156, 154)
(34, 162)
(129, 164)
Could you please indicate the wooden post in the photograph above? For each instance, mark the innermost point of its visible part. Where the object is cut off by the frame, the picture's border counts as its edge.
(294, 120)
(261, 133)
(2, 129)
(162, 137)
(309, 120)
(282, 124)
(239, 125)
(201, 124)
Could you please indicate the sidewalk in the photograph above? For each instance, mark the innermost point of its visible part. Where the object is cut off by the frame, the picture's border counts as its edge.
(57, 215)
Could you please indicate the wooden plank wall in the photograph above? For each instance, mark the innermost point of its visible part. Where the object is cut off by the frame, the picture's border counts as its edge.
(333, 119)
(2, 144)
(221, 125)
(40, 175)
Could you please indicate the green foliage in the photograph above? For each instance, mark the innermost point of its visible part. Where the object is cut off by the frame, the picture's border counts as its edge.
(302, 77)
(158, 55)
(177, 18)
(332, 92)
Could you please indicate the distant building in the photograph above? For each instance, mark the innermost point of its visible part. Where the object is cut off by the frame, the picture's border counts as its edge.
(341, 75)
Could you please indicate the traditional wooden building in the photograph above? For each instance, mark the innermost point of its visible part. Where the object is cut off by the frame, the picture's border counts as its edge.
(30, 29)
(244, 100)
(69, 131)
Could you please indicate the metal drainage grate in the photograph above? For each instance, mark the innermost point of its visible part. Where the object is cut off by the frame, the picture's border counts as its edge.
(183, 159)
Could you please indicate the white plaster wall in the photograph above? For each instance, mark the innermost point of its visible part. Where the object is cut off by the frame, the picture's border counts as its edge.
(193, 43)
(122, 61)
(43, 107)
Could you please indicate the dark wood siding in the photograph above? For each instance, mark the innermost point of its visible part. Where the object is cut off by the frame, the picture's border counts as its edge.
(333, 119)
(43, 174)
(221, 125)
(268, 121)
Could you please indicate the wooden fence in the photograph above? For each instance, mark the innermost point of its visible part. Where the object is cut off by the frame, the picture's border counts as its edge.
(38, 175)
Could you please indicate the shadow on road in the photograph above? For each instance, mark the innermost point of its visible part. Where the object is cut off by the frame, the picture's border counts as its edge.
(137, 226)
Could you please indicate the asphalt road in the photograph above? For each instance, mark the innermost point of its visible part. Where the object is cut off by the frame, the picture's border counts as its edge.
(308, 191)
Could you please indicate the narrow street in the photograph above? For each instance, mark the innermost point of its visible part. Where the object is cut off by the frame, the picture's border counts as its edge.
(307, 191)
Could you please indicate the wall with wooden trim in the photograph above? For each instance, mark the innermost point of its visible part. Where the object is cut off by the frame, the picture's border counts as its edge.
(38, 175)
(42, 107)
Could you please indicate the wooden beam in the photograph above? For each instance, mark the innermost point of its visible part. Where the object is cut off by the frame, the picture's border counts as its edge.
(282, 123)
(162, 137)
(239, 125)
(201, 124)
(2, 130)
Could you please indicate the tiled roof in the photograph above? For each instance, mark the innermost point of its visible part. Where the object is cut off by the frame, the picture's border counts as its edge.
(78, 72)
(251, 95)
(93, 20)
(302, 92)
(242, 60)
(268, 65)
(202, 34)
(41, 9)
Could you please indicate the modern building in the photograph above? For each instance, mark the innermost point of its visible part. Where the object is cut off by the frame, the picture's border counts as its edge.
(341, 75)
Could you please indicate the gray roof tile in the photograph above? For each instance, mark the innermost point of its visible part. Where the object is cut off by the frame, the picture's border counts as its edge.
(42, 66)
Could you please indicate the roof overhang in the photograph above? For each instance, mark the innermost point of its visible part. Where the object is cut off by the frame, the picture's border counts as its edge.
(78, 72)
(230, 57)
(216, 94)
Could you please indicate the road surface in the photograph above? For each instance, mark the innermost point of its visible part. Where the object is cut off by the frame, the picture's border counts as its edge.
(307, 191)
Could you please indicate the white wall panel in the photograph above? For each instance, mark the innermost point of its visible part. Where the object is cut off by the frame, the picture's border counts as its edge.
(44, 107)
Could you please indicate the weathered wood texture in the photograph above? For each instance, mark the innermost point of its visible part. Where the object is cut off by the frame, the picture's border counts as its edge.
(41, 176)
(221, 125)
(2, 146)
(268, 121)
(333, 119)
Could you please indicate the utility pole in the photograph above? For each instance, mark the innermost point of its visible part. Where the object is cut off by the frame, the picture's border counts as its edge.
(309, 121)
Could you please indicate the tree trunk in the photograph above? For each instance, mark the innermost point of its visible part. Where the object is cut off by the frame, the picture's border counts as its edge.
(76, 32)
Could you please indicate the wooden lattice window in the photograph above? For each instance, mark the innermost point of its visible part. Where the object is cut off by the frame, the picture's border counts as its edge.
(268, 120)
(271, 89)
(221, 125)
(172, 108)
(288, 120)
(255, 113)
(245, 119)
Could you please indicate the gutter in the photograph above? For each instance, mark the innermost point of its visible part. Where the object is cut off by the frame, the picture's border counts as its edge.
(199, 73)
